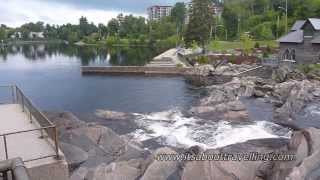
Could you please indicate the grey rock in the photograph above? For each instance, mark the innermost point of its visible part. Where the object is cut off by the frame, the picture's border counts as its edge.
(113, 115)
(117, 171)
(258, 93)
(236, 106)
(74, 155)
(316, 92)
(298, 95)
(79, 174)
(161, 170)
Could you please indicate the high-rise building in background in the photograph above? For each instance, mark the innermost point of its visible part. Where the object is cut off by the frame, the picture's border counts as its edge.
(157, 12)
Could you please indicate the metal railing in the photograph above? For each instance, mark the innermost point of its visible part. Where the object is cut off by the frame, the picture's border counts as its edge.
(271, 61)
(13, 169)
(47, 129)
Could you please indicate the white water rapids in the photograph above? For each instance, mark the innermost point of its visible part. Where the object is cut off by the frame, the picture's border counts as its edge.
(173, 129)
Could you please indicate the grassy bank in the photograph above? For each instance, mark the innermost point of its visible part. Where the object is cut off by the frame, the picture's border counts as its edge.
(231, 45)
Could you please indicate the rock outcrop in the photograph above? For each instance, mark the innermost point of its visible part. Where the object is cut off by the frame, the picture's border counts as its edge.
(96, 152)
(292, 98)
(162, 170)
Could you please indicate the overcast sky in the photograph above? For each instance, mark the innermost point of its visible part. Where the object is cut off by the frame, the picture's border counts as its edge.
(17, 12)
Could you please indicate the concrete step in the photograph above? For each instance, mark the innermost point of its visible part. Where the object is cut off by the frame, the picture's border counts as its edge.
(161, 65)
(160, 62)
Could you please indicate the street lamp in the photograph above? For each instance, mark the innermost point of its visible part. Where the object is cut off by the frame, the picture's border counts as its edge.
(286, 10)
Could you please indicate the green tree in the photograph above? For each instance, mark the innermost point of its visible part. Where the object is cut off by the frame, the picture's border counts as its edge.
(103, 31)
(162, 29)
(199, 26)
(178, 14)
(3, 34)
(113, 27)
(83, 26)
(247, 43)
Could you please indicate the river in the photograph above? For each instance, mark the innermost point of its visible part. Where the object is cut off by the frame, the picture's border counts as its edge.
(50, 75)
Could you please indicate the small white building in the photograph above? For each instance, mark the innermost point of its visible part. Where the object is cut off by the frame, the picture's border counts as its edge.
(33, 35)
(16, 35)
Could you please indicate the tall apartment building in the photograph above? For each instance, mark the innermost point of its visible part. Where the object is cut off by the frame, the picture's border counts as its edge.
(157, 12)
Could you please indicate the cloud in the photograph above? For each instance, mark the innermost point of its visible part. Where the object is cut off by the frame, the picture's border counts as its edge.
(17, 12)
(135, 6)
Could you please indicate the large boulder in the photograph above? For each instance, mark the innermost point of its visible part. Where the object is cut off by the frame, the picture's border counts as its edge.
(74, 155)
(204, 70)
(162, 170)
(65, 121)
(128, 170)
(232, 169)
(233, 111)
(79, 174)
(295, 96)
(305, 145)
(285, 73)
(111, 144)
(205, 170)
(113, 115)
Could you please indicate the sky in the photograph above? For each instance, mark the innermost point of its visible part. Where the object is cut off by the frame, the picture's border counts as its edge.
(14, 13)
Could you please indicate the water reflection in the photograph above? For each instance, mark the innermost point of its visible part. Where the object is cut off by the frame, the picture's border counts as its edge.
(89, 55)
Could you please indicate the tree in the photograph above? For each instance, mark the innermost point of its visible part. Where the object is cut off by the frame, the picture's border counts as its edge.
(103, 31)
(113, 27)
(3, 34)
(83, 26)
(178, 14)
(132, 27)
(162, 29)
(199, 26)
(247, 43)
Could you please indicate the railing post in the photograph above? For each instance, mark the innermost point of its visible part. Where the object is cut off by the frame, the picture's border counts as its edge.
(5, 175)
(13, 94)
(56, 143)
(5, 146)
(22, 102)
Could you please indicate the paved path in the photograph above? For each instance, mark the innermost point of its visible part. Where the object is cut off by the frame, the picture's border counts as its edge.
(25, 145)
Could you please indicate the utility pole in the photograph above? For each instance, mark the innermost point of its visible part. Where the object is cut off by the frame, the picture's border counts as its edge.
(286, 11)
(286, 16)
(239, 20)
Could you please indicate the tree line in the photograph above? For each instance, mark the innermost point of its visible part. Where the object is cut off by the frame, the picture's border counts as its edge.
(265, 19)
(261, 19)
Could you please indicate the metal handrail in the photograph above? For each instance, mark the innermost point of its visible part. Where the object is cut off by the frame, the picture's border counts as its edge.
(18, 97)
(16, 168)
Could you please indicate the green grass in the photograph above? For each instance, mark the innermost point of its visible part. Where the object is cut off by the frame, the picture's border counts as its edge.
(221, 46)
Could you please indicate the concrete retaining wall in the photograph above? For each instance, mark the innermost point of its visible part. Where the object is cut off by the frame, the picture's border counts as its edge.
(51, 171)
(134, 70)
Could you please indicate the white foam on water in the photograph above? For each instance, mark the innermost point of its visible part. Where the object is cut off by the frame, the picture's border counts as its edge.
(172, 128)
(313, 110)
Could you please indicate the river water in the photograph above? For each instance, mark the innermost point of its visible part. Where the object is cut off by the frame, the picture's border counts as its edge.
(50, 75)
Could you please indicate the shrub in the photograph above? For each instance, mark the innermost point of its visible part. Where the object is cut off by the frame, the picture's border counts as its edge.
(265, 54)
(194, 45)
(179, 65)
(202, 60)
(257, 45)
(232, 59)
(111, 40)
(269, 50)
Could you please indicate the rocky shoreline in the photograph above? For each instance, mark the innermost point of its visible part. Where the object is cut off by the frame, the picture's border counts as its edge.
(96, 152)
